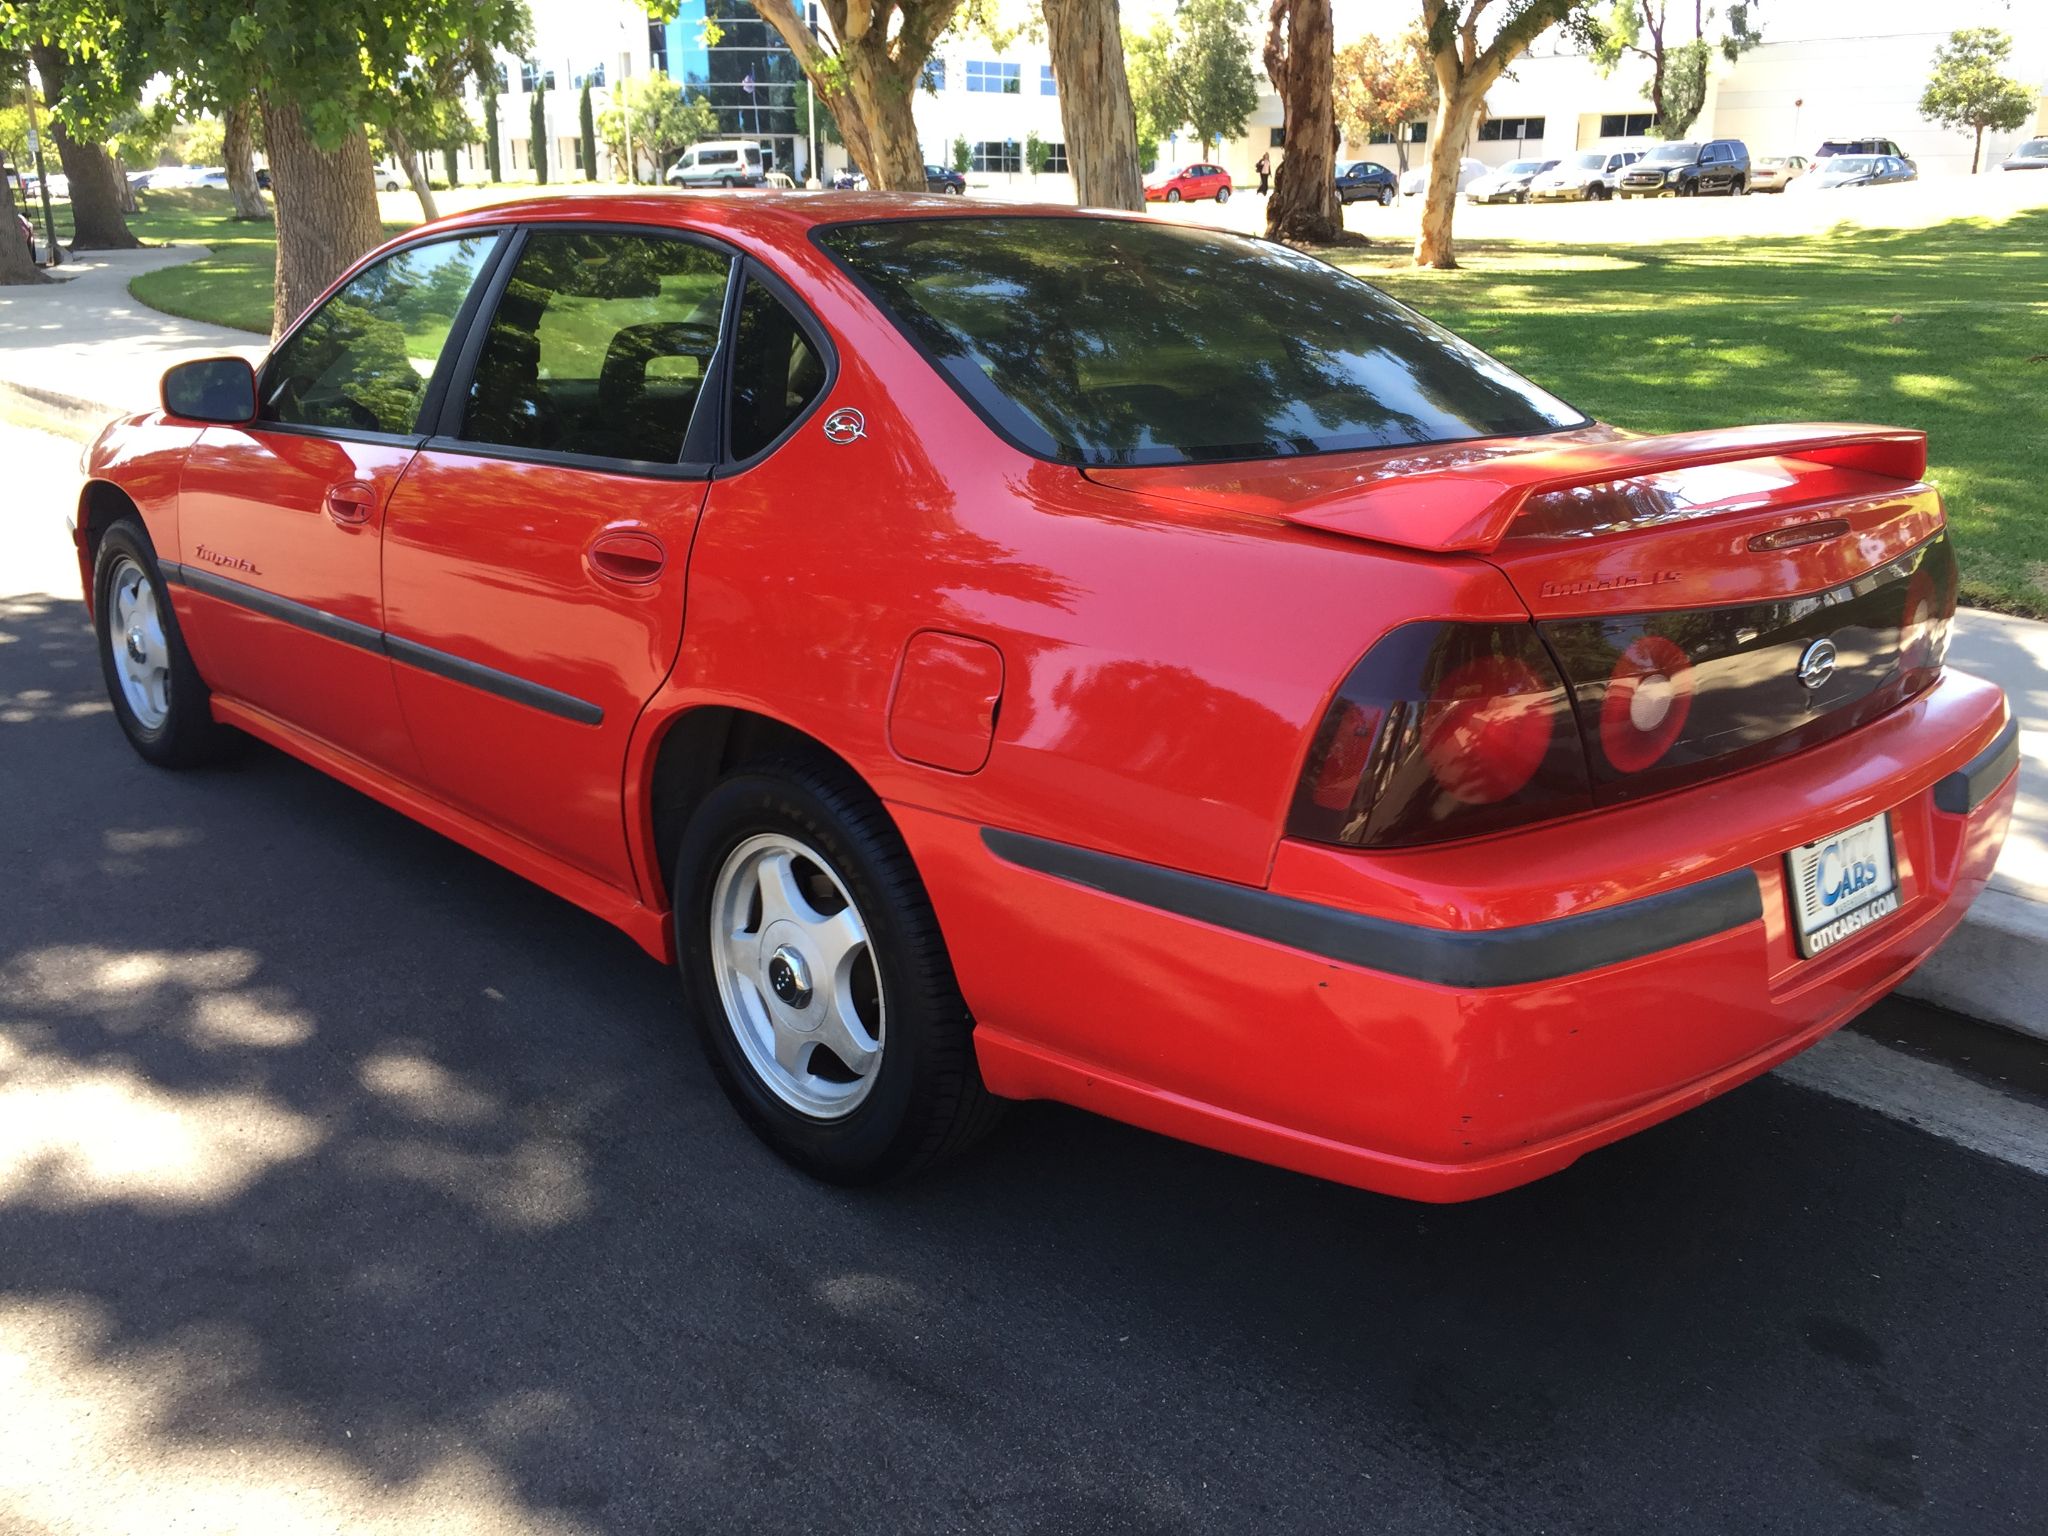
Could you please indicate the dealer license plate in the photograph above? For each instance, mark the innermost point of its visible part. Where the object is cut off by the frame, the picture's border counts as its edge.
(1842, 884)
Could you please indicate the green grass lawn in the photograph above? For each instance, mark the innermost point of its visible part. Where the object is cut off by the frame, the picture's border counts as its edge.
(1944, 329)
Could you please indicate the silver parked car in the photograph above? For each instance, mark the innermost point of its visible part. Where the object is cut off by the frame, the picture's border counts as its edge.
(2030, 156)
(1592, 175)
(1774, 173)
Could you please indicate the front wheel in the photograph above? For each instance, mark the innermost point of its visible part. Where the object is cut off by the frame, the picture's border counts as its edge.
(957, 191)
(1222, 195)
(1597, 193)
(1173, 194)
(163, 707)
(823, 995)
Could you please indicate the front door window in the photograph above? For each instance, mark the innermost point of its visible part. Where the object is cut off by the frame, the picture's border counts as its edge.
(363, 361)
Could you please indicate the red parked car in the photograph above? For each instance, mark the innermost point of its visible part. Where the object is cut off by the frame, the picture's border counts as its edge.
(1045, 654)
(1188, 184)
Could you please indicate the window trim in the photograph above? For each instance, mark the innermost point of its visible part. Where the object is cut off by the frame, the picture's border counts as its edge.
(429, 401)
(447, 434)
(814, 330)
(1003, 434)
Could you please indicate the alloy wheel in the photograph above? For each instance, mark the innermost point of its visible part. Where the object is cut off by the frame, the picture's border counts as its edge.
(796, 974)
(136, 642)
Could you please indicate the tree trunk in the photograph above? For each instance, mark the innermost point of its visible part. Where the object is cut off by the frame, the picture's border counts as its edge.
(326, 207)
(97, 186)
(493, 171)
(237, 151)
(1301, 56)
(1977, 149)
(448, 165)
(1086, 38)
(1454, 109)
(415, 172)
(16, 265)
(880, 100)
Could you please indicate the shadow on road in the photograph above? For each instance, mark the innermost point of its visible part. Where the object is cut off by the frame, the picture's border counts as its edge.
(348, 1181)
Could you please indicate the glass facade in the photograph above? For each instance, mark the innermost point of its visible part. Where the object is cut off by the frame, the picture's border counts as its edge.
(750, 77)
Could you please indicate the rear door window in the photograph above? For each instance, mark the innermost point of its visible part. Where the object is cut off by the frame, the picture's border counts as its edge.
(777, 371)
(599, 346)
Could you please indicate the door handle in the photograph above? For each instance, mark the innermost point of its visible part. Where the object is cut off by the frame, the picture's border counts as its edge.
(626, 555)
(351, 502)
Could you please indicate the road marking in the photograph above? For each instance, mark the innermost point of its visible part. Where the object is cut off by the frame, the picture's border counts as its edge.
(1927, 1095)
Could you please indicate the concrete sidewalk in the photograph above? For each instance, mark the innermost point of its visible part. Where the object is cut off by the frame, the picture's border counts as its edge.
(58, 371)
(80, 350)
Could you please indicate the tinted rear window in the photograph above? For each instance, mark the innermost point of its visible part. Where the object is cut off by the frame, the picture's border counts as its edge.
(1101, 341)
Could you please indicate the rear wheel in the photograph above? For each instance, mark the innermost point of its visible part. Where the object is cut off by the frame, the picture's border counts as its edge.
(1386, 197)
(1739, 187)
(162, 705)
(823, 995)
(1223, 194)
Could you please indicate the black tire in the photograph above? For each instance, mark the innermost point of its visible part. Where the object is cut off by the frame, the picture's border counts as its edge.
(1597, 193)
(928, 1101)
(1739, 187)
(1173, 194)
(1222, 195)
(188, 735)
(956, 191)
(1386, 197)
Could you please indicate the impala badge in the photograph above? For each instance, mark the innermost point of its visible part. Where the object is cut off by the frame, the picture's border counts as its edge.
(845, 425)
(1817, 665)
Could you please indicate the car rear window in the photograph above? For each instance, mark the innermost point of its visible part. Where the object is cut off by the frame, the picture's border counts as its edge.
(1123, 341)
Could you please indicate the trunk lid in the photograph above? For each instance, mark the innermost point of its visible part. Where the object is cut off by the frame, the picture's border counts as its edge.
(1711, 599)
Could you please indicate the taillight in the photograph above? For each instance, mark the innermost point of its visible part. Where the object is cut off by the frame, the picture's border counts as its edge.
(1930, 608)
(1443, 730)
(1648, 698)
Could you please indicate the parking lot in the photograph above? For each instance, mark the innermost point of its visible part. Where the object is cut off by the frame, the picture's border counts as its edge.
(347, 1182)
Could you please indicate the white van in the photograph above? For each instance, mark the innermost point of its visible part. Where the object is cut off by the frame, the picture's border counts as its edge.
(728, 164)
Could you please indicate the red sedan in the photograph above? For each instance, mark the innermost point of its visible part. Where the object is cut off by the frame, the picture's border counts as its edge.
(1189, 184)
(1043, 654)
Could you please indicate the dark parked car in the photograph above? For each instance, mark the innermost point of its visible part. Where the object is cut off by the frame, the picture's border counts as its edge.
(938, 179)
(2030, 156)
(1367, 180)
(1690, 168)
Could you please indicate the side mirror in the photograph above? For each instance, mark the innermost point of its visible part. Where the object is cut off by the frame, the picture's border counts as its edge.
(215, 389)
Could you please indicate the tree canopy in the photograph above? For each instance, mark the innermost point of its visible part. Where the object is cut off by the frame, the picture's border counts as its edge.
(659, 116)
(1194, 71)
(1382, 87)
(1678, 66)
(1968, 88)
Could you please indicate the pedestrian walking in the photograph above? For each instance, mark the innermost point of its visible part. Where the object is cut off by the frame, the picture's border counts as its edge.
(1265, 169)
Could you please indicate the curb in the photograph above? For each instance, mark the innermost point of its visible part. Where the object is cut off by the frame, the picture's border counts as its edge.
(1994, 967)
(48, 410)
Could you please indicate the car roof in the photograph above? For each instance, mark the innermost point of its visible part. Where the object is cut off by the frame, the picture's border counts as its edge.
(768, 215)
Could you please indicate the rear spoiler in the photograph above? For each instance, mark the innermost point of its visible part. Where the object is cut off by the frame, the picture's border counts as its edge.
(1473, 506)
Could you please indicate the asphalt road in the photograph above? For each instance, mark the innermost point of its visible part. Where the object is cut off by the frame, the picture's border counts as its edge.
(350, 1183)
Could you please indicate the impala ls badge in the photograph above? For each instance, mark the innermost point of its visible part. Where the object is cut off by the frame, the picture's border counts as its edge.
(845, 425)
(1817, 664)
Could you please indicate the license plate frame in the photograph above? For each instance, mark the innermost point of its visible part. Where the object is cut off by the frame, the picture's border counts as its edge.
(1818, 924)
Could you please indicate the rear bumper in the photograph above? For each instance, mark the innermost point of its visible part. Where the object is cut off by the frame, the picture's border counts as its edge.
(1445, 1025)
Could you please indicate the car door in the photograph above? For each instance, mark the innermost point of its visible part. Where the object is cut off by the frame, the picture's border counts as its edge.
(280, 521)
(536, 548)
